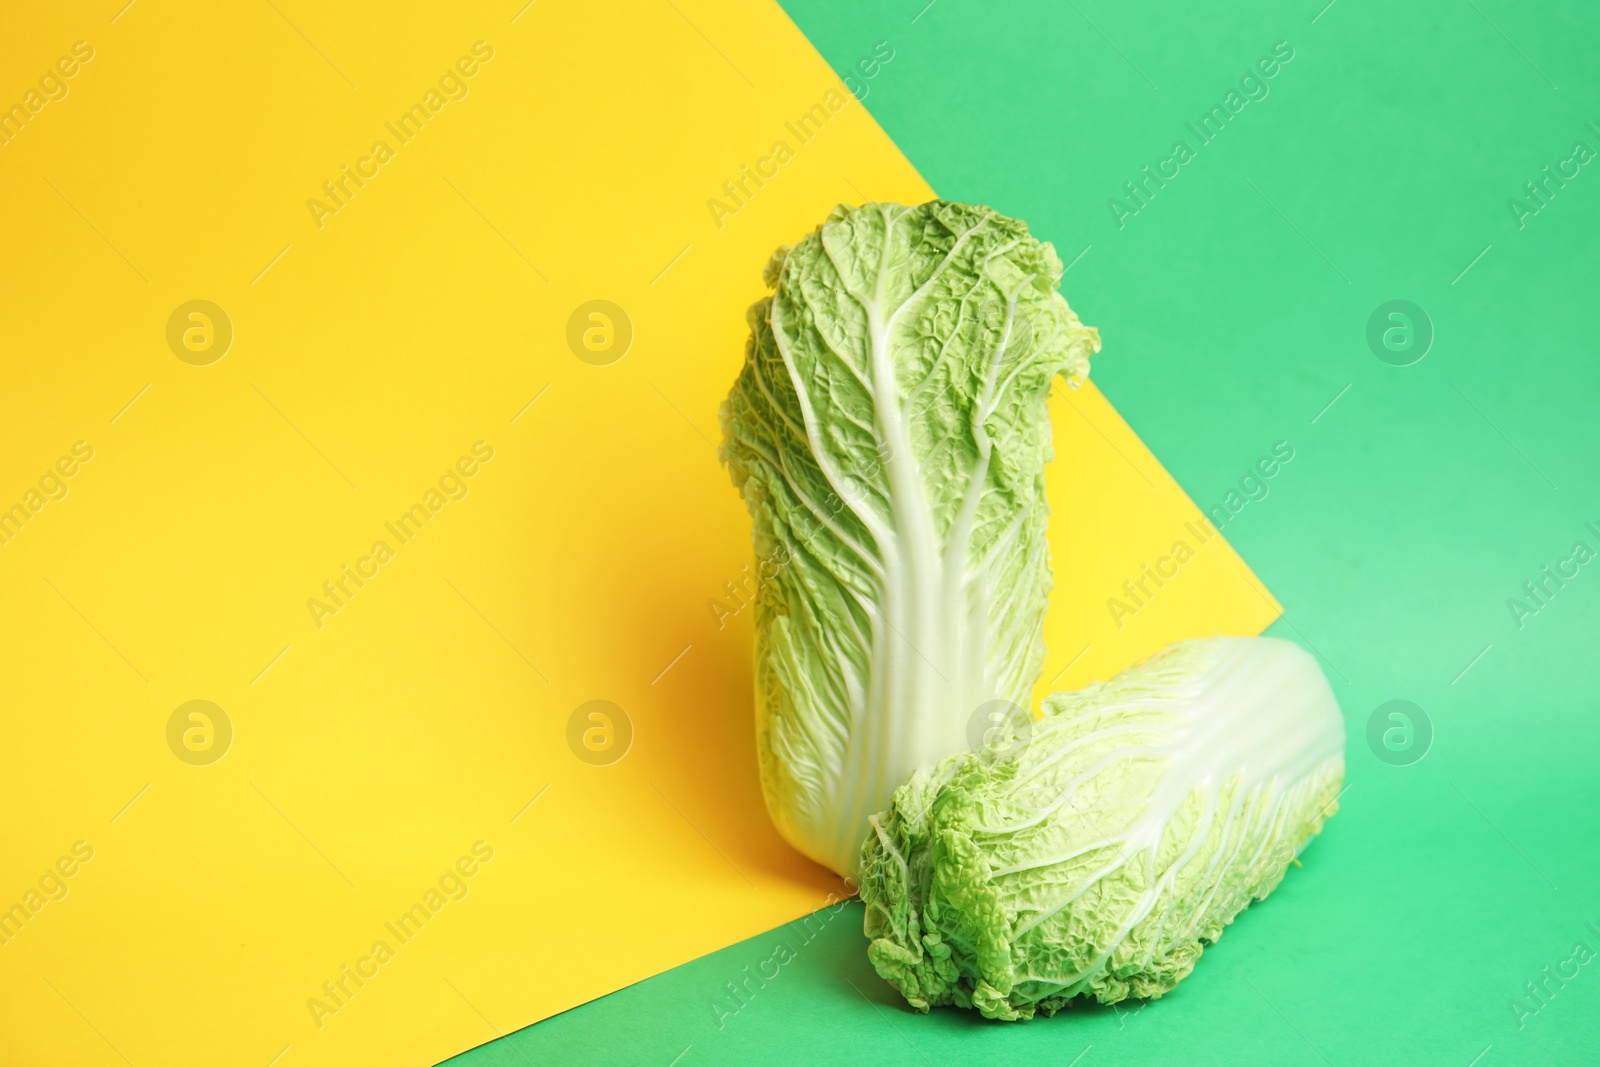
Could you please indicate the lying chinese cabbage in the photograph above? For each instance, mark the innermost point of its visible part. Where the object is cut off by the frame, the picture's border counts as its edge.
(888, 432)
(1138, 819)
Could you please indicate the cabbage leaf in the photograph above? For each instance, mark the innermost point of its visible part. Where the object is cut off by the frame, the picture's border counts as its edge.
(888, 432)
(1140, 817)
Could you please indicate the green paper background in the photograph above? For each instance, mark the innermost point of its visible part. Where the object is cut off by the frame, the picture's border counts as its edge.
(1234, 309)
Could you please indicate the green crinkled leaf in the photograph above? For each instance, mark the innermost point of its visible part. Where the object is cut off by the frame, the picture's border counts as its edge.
(888, 432)
(1096, 860)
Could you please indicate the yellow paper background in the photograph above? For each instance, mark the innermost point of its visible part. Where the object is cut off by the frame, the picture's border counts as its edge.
(372, 752)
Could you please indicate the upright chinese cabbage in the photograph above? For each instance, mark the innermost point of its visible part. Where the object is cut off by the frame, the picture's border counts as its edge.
(888, 432)
(1138, 819)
